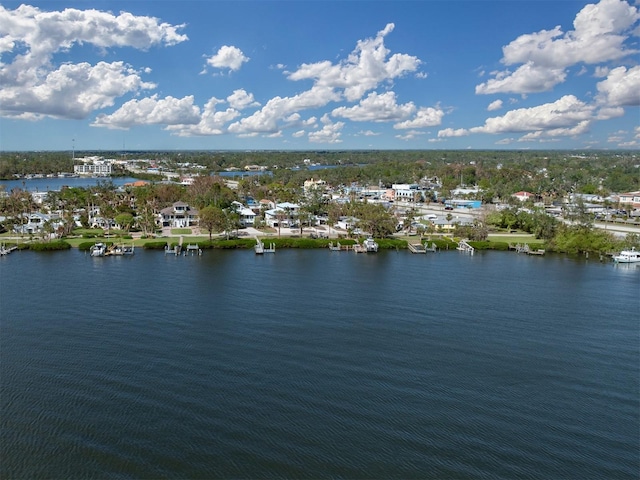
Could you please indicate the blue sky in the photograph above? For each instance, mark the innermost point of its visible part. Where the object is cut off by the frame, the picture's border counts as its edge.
(312, 75)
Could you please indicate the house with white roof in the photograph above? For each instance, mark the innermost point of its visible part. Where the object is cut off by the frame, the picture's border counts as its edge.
(283, 214)
(35, 223)
(178, 215)
(247, 216)
(407, 192)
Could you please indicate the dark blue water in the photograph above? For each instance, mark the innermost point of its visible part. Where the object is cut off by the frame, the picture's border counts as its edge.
(55, 184)
(317, 364)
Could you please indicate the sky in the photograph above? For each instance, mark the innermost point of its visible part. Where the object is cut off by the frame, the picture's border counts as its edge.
(319, 75)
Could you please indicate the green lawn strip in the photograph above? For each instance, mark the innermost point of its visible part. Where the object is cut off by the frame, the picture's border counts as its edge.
(518, 238)
(495, 242)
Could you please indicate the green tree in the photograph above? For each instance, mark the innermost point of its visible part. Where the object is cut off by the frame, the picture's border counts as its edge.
(125, 220)
(69, 223)
(410, 217)
(334, 212)
(47, 230)
(578, 213)
(544, 225)
(212, 219)
(375, 219)
(232, 219)
(207, 190)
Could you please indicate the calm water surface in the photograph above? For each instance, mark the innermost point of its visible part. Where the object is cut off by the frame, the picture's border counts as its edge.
(317, 364)
(56, 184)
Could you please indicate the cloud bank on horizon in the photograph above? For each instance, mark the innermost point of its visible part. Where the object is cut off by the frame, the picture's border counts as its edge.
(88, 72)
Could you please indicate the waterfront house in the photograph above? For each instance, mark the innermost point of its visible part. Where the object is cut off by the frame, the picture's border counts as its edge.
(283, 215)
(247, 216)
(442, 224)
(34, 223)
(178, 215)
(101, 222)
(347, 223)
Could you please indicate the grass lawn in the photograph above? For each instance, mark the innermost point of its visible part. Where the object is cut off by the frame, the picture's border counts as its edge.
(513, 238)
(181, 231)
(139, 242)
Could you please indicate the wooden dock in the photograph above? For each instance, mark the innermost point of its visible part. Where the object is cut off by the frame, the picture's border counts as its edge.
(422, 247)
(338, 247)
(193, 249)
(524, 248)
(172, 251)
(416, 248)
(464, 247)
(261, 249)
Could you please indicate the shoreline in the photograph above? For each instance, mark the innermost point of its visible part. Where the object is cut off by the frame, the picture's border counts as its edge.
(534, 246)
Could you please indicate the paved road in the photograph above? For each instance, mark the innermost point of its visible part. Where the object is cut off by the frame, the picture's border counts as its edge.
(618, 229)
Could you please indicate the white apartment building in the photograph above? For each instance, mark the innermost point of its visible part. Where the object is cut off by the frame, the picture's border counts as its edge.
(93, 166)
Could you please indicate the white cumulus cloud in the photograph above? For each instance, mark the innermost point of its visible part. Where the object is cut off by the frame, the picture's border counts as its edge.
(228, 57)
(72, 91)
(365, 68)
(329, 133)
(566, 116)
(495, 105)
(376, 108)
(240, 99)
(34, 87)
(410, 135)
(620, 88)
(212, 121)
(425, 117)
(151, 111)
(269, 117)
(450, 132)
(599, 35)
(368, 133)
(528, 78)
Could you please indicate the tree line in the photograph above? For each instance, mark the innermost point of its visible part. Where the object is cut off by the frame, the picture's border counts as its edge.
(549, 175)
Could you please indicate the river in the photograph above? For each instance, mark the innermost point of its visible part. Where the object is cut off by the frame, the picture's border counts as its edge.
(54, 184)
(318, 364)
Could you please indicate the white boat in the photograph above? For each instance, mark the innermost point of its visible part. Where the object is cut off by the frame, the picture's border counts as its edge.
(370, 245)
(120, 250)
(627, 256)
(98, 250)
(7, 250)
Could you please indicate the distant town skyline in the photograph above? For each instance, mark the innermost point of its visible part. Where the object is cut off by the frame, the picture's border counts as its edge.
(312, 75)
